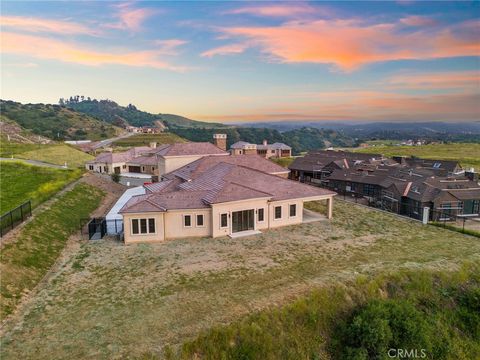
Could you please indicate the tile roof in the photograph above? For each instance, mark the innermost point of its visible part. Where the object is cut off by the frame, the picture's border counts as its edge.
(317, 159)
(144, 160)
(274, 146)
(190, 148)
(223, 182)
(190, 171)
(116, 157)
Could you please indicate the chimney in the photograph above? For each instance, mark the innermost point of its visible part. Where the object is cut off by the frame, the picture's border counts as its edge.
(265, 142)
(153, 145)
(220, 141)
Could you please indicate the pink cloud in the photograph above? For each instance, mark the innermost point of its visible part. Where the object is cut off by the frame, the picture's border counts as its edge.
(418, 21)
(350, 44)
(45, 48)
(130, 18)
(276, 10)
(31, 24)
(226, 50)
(169, 47)
(440, 80)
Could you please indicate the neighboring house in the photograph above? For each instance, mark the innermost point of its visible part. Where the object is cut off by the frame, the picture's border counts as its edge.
(216, 198)
(401, 185)
(277, 150)
(152, 160)
(140, 159)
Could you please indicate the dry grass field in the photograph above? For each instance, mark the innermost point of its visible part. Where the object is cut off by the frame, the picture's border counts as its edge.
(112, 301)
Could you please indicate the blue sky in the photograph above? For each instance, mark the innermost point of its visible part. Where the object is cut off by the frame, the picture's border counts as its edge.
(250, 61)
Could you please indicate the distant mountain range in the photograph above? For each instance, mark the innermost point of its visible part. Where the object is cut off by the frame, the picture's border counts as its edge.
(464, 131)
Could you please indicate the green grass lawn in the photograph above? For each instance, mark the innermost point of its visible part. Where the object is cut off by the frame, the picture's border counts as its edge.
(467, 153)
(145, 139)
(285, 162)
(26, 260)
(21, 182)
(111, 301)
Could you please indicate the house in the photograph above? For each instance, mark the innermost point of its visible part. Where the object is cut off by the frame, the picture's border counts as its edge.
(276, 150)
(139, 159)
(319, 164)
(439, 167)
(217, 198)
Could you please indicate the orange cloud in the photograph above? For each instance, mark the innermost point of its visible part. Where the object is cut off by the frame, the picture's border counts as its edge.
(366, 106)
(45, 48)
(350, 44)
(276, 10)
(44, 25)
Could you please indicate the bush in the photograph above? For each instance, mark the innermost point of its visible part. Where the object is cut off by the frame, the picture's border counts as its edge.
(115, 177)
(382, 325)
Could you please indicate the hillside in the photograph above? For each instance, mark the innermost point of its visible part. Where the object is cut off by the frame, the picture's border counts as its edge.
(111, 112)
(55, 122)
(300, 140)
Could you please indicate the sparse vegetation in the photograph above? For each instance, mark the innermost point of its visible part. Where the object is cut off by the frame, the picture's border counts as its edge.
(146, 139)
(56, 122)
(435, 314)
(111, 301)
(25, 261)
(21, 182)
(467, 153)
(283, 161)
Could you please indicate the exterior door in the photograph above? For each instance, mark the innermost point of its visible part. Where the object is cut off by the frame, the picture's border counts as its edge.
(243, 220)
(116, 169)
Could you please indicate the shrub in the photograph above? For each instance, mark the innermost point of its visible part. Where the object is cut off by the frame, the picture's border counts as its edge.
(115, 177)
(382, 325)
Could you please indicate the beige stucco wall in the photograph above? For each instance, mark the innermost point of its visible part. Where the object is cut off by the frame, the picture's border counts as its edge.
(175, 228)
(230, 207)
(285, 219)
(158, 236)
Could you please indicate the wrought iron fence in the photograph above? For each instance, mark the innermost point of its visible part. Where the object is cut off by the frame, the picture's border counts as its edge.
(97, 228)
(13, 218)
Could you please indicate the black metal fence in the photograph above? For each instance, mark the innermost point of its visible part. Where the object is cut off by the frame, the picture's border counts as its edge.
(97, 228)
(12, 218)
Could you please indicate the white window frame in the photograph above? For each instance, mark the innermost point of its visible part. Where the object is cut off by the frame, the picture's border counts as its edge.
(275, 212)
(296, 211)
(139, 227)
(196, 220)
(220, 222)
(261, 221)
(183, 221)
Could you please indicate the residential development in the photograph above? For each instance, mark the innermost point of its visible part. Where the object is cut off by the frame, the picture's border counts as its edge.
(402, 185)
(277, 150)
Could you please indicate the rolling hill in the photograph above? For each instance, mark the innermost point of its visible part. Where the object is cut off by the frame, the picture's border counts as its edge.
(56, 122)
(111, 112)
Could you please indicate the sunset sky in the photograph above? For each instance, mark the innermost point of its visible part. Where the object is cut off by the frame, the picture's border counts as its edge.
(250, 61)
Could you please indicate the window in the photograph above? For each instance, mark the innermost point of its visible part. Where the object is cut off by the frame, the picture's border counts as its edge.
(124, 166)
(224, 220)
(199, 220)
(261, 215)
(293, 210)
(143, 168)
(187, 220)
(90, 167)
(278, 212)
(143, 226)
(153, 167)
(151, 225)
(368, 189)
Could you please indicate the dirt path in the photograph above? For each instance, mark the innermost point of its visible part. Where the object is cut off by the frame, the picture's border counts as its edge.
(36, 163)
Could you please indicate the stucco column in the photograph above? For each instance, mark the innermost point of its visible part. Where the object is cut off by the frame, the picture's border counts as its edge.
(329, 207)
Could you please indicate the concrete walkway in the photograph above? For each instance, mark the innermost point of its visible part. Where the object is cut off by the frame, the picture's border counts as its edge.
(35, 162)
